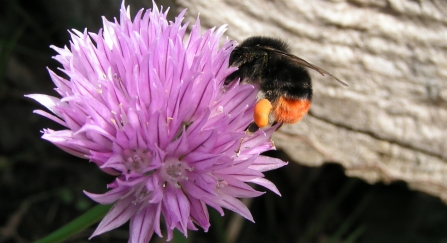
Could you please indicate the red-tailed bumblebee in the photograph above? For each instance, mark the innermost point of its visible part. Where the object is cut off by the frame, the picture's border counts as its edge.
(282, 77)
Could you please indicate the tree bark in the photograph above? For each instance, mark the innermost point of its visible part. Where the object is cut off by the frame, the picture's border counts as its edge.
(391, 122)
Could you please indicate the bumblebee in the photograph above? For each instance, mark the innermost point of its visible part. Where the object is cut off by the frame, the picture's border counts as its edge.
(282, 77)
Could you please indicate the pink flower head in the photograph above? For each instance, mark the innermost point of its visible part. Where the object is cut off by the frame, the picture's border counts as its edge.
(147, 104)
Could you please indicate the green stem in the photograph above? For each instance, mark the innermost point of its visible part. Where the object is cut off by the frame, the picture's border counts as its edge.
(79, 224)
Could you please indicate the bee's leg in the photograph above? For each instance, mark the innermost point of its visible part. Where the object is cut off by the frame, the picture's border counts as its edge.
(232, 77)
(280, 125)
(252, 128)
(262, 112)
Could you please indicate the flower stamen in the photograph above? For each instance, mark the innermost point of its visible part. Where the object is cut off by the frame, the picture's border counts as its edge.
(137, 161)
(175, 171)
(221, 183)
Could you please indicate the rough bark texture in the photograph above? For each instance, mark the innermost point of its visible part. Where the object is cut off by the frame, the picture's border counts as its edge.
(391, 123)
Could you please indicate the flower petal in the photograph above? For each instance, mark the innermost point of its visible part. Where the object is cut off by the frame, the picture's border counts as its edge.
(144, 223)
(235, 205)
(50, 102)
(237, 188)
(267, 184)
(199, 212)
(264, 163)
(108, 197)
(119, 214)
(176, 207)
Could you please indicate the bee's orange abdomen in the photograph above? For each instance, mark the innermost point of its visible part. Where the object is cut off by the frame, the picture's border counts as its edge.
(291, 110)
(262, 112)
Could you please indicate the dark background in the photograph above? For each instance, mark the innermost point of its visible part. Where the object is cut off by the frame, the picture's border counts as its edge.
(41, 186)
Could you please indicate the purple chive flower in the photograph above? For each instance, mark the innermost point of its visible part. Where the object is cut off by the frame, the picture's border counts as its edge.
(148, 105)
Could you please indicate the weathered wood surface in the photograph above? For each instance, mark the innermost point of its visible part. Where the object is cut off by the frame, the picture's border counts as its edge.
(391, 123)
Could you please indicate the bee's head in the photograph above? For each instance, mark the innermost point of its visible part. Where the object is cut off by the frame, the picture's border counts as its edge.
(237, 56)
(263, 41)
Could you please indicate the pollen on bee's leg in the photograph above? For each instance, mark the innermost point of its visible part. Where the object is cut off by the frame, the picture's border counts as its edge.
(291, 110)
(262, 112)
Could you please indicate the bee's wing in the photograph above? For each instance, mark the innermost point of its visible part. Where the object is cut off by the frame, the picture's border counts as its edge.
(303, 63)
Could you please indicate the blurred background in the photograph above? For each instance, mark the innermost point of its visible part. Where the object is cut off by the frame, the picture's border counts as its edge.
(41, 186)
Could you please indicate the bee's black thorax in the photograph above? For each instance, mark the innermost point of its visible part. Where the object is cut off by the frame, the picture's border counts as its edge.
(277, 76)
